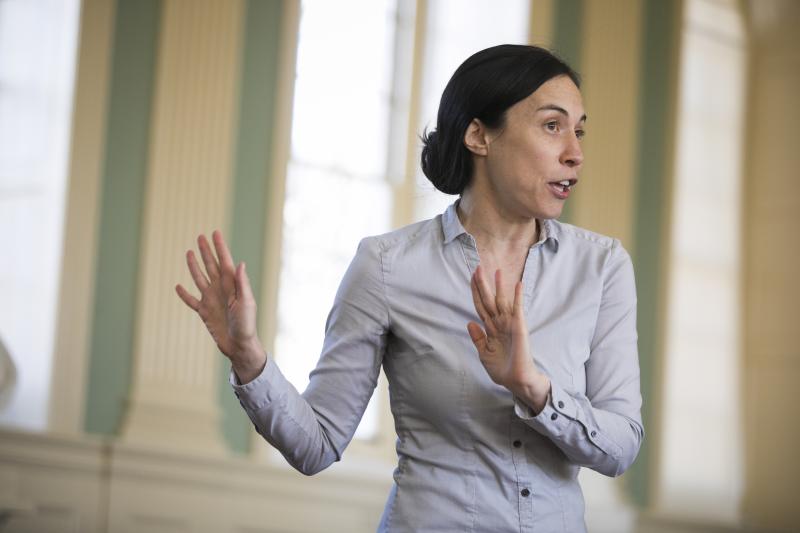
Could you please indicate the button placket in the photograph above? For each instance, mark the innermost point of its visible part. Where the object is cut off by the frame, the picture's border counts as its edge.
(523, 470)
(518, 451)
(526, 514)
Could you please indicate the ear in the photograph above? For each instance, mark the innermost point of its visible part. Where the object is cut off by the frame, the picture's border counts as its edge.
(476, 138)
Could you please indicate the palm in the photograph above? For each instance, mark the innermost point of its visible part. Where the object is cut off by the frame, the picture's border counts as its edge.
(241, 322)
(503, 349)
(226, 303)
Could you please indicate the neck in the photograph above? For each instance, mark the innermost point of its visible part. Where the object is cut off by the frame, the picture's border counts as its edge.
(493, 226)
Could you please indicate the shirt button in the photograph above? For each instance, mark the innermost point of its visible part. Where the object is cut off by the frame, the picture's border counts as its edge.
(517, 444)
(553, 416)
(561, 404)
(593, 433)
(525, 492)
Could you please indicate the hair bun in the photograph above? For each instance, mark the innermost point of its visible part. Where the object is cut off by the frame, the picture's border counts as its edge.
(430, 153)
(438, 165)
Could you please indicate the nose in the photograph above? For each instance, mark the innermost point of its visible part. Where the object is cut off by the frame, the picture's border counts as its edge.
(572, 156)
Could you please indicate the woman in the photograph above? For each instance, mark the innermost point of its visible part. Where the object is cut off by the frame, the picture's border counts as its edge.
(493, 420)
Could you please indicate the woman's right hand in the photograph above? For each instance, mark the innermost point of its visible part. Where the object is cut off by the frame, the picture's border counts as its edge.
(226, 306)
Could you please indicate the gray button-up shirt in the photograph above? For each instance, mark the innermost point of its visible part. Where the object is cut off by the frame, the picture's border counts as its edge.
(471, 457)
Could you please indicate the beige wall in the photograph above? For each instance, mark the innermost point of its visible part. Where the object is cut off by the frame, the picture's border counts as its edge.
(771, 361)
(610, 68)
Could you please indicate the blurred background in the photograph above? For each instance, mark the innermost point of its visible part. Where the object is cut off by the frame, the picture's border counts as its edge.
(128, 127)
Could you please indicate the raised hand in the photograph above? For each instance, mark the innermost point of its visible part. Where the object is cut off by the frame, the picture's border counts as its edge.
(504, 348)
(226, 305)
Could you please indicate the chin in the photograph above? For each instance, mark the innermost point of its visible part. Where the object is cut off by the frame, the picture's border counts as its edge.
(552, 212)
(541, 208)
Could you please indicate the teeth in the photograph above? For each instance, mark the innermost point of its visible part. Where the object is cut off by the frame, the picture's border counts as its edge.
(565, 183)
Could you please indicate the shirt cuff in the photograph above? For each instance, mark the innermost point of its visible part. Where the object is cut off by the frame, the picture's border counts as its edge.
(559, 415)
(559, 410)
(269, 386)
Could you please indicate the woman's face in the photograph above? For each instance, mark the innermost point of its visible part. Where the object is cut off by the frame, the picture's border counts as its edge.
(529, 159)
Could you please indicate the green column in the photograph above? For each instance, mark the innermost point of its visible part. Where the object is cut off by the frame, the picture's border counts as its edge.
(567, 44)
(123, 182)
(656, 132)
(252, 166)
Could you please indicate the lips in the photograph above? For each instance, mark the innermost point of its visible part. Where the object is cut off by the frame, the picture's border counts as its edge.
(561, 188)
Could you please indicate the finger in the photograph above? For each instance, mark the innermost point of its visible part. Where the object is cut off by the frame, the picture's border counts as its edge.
(187, 298)
(227, 267)
(476, 299)
(224, 254)
(485, 293)
(518, 300)
(481, 309)
(208, 257)
(243, 289)
(500, 299)
(194, 269)
(520, 333)
(519, 308)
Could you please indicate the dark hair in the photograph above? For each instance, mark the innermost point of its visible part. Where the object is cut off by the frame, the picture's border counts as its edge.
(483, 87)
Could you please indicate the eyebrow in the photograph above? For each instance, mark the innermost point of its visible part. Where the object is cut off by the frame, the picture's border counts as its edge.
(553, 107)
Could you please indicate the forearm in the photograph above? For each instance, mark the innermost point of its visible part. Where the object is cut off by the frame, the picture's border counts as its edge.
(286, 420)
(597, 438)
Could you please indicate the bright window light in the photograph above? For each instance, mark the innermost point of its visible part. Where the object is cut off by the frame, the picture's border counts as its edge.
(701, 464)
(336, 186)
(38, 41)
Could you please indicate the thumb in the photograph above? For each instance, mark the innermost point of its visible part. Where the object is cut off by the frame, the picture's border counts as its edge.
(478, 336)
(242, 282)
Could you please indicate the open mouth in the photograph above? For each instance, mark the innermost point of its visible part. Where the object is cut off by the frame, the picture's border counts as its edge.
(561, 188)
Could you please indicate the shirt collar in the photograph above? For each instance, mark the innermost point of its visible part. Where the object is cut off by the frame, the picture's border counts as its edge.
(451, 225)
(452, 228)
(550, 233)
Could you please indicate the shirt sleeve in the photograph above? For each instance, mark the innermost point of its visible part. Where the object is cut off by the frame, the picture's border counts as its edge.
(602, 429)
(312, 429)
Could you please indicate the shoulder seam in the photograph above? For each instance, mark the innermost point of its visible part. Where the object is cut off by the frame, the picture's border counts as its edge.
(604, 241)
(391, 238)
(381, 252)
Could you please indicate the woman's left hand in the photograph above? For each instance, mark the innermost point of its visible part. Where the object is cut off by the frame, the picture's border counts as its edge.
(503, 348)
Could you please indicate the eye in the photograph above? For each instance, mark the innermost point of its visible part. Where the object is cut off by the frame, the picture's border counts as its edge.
(552, 125)
(580, 134)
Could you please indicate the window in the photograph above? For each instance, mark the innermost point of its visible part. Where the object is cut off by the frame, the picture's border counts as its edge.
(337, 191)
(38, 41)
(701, 466)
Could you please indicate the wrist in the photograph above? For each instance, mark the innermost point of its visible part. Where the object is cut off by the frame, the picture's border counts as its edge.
(249, 360)
(534, 392)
